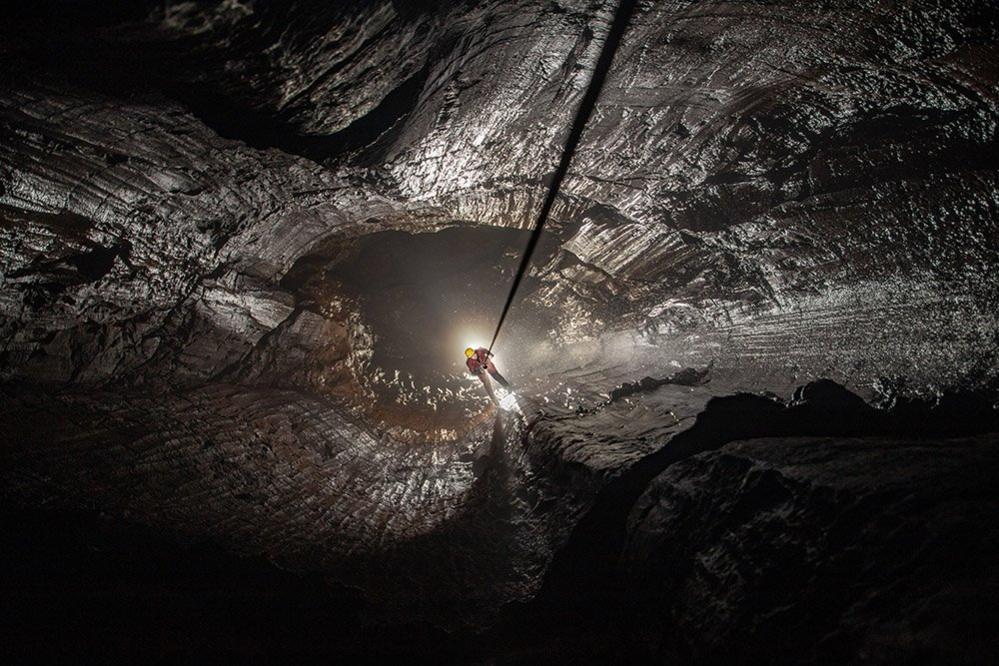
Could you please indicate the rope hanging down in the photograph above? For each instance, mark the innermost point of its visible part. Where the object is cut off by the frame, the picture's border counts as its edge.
(586, 106)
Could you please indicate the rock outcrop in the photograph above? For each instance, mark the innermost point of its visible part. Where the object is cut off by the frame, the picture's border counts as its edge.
(819, 550)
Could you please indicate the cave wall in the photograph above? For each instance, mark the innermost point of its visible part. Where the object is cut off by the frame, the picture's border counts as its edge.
(787, 190)
(892, 518)
(745, 162)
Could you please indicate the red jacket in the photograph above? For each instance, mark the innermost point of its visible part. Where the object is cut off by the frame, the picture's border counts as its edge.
(479, 361)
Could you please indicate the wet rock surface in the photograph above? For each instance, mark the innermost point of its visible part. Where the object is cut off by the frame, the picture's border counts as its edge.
(242, 245)
(818, 550)
(620, 587)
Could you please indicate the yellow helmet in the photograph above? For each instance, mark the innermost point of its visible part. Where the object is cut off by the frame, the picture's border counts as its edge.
(469, 353)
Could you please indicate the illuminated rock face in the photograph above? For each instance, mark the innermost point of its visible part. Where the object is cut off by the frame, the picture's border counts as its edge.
(745, 164)
(242, 247)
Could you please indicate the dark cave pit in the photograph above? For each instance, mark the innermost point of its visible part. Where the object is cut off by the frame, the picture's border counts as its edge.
(755, 406)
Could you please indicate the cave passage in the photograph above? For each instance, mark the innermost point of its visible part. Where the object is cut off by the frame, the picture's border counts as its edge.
(425, 297)
(738, 260)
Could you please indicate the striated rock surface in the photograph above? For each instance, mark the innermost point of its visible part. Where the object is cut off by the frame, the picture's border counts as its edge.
(771, 156)
(818, 550)
(242, 245)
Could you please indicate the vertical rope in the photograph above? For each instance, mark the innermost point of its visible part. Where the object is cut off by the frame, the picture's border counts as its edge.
(583, 113)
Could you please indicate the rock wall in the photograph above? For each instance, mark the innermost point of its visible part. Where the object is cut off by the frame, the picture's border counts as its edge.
(768, 156)
(818, 550)
(787, 190)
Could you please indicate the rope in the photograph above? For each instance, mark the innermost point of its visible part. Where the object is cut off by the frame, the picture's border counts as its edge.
(583, 114)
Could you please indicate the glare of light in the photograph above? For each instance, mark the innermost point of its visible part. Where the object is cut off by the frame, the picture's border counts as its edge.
(466, 335)
(509, 403)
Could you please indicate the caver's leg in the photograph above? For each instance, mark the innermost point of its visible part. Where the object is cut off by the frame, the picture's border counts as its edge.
(499, 378)
(489, 387)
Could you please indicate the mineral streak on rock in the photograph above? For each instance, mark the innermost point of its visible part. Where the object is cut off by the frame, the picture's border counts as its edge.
(242, 245)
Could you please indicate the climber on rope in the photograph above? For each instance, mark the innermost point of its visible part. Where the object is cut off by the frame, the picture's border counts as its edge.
(479, 362)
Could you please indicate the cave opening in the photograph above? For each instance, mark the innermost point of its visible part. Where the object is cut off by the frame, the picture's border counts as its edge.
(423, 298)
